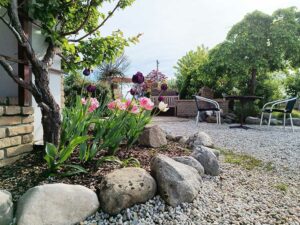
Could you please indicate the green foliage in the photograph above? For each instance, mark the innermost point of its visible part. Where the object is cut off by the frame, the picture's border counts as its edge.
(73, 26)
(292, 83)
(135, 125)
(89, 132)
(246, 161)
(257, 45)
(4, 3)
(282, 187)
(124, 163)
(75, 84)
(189, 72)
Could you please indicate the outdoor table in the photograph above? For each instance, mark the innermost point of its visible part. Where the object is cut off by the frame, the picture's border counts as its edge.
(243, 100)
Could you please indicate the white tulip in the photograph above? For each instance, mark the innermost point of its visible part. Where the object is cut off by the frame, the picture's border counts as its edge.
(163, 107)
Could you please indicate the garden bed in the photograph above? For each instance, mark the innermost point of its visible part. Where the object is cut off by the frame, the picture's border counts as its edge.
(32, 170)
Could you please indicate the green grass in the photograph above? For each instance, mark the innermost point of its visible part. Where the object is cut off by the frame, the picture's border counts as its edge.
(281, 187)
(246, 161)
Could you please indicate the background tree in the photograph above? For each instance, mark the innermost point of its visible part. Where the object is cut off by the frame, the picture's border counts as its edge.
(71, 30)
(189, 72)
(292, 83)
(257, 45)
(109, 70)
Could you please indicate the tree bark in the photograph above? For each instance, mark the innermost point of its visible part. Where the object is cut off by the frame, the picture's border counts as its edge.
(252, 83)
(51, 122)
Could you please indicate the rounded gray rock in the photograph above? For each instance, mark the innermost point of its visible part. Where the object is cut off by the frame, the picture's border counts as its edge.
(176, 182)
(56, 204)
(207, 159)
(125, 187)
(190, 161)
(6, 208)
(153, 136)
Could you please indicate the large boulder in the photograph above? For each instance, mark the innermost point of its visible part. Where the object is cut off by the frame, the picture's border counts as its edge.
(207, 159)
(153, 136)
(6, 208)
(176, 182)
(190, 161)
(201, 138)
(252, 120)
(125, 187)
(56, 204)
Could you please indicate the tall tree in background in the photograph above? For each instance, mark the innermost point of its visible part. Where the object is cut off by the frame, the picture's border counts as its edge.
(189, 72)
(71, 30)
(109, 70)
(257, 45)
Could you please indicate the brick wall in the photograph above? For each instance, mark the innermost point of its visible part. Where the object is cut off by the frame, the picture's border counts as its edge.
(187, 108)
(16, 133)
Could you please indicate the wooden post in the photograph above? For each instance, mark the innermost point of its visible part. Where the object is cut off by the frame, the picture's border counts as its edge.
(24, 70)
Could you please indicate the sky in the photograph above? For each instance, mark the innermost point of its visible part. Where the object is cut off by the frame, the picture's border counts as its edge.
(171, 28)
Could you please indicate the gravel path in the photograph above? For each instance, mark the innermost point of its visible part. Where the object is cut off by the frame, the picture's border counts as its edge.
(241, 197)
(238, 196)
(276, 145)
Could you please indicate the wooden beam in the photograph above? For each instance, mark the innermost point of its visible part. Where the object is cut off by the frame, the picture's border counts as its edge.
(24, 70)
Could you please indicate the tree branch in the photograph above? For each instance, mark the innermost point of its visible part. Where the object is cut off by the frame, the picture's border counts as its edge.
(10, 71)
(17, 29)
(49, 53)
(100, 25)
(82, 24)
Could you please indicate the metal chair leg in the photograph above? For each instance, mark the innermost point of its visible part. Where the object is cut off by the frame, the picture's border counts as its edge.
(261, 118)
(292, 121)
(220, 121)
(197, 118)
(270, 117)
(284, 119)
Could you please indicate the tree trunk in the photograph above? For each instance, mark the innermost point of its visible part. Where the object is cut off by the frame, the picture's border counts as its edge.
(51, 122)
(252, 83)
(51, 118)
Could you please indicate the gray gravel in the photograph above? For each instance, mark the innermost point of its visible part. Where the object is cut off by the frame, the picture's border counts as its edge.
(276, 145)
(239, 197)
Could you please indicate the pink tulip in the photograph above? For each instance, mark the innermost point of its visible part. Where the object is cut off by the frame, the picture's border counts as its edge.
(111, 105)
(94, 104)
(128, 103)
(83, 101)
(146, 103)
(135, 109)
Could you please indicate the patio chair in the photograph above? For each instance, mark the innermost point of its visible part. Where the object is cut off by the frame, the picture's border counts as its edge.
(215, 107)
(270, 108)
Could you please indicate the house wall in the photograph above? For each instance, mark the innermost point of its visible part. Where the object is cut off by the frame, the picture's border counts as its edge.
(16, 133)
(55, 78)
(19, 128)
(8, 47)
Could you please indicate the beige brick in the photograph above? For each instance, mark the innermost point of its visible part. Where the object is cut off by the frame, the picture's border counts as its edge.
(21, 129)
(12, 110)
(1, 154)
(27, 119)
(8, 161)
(14, 151)
(11, 141)
(2, 132)
(1, 110)
(28, 138)
(27, 110)
(10, 120)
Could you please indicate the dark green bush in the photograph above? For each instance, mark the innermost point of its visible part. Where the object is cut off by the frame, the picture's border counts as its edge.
(75, 85)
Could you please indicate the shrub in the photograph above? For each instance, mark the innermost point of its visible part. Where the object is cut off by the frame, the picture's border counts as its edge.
(75, 84)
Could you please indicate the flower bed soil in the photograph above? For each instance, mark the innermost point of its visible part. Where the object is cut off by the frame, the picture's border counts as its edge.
(31, 170)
